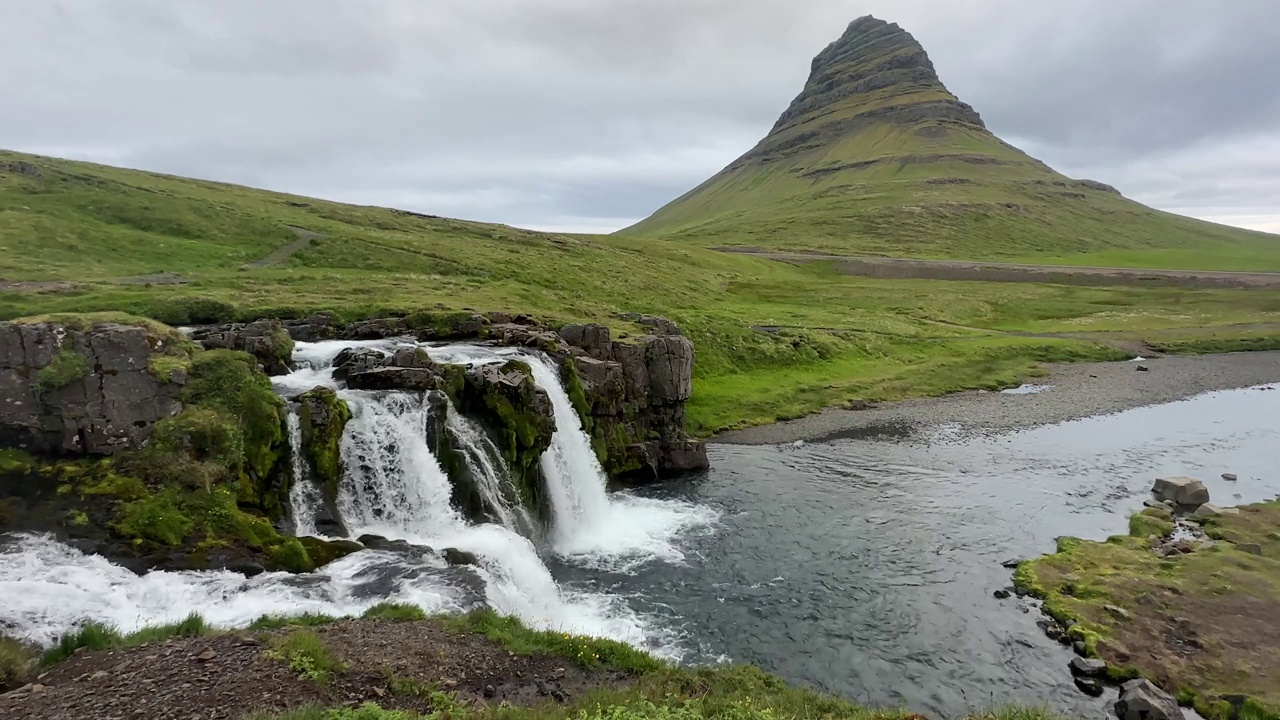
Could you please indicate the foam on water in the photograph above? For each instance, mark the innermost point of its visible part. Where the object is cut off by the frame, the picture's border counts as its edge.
(50, 588)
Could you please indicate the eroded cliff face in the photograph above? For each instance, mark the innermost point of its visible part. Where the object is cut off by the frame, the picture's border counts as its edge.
(83, 391)
(631, 396)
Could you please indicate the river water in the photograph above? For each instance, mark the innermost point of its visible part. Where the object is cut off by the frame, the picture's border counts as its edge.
(863, 568)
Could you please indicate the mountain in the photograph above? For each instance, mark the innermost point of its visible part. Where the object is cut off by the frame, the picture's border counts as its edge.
(876, 156)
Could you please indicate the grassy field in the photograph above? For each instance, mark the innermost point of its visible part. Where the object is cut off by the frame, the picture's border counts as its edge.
(1202, 625)
(774, 340)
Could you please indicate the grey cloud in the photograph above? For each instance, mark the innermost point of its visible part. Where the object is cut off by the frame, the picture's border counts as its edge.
(588, 113)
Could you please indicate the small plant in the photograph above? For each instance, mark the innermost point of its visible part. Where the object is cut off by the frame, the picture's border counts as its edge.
(93, 636)
(17, 664)
(307, 655)
(277, 622)
(400, 612)
(67, 367)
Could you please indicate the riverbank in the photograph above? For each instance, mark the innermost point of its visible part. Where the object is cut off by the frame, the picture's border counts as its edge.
(1193, 612)
(1069, 391)
(398, 664)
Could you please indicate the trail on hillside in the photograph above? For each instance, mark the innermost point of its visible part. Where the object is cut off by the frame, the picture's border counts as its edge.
(981, 271)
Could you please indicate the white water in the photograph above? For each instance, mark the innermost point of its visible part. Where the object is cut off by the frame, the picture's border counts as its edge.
(591, 527)
(393, 486)
(305, 497)
(49, 588)
(490, 473)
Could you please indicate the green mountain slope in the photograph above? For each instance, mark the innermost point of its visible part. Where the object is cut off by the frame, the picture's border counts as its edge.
(774, 340)
(876, 156)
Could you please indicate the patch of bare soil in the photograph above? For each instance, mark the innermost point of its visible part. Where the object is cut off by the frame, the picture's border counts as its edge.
(390, 663)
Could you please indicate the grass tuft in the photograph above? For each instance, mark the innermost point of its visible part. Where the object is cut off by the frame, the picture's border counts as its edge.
(400, 612)
(307, 655)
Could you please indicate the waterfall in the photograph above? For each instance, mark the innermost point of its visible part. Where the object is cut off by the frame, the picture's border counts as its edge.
(489, 471)
(575, 480)
(305, 497)
(392, 483)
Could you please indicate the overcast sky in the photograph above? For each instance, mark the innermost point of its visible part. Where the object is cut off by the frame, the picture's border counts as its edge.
(586, 115)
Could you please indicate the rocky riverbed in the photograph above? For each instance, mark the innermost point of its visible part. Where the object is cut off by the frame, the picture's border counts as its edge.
(1066, 392)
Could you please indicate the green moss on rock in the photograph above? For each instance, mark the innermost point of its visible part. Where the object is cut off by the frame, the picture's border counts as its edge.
(229, 381)
(323, 417)
(67, 367)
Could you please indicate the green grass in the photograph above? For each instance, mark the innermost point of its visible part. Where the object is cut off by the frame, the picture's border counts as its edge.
(95, 636)
(773, 340)
(307, 655)
(277, 622)
(1221, 601)
(18, 663)
(399, 612)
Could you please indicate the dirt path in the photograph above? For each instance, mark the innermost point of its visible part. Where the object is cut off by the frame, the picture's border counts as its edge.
(282, 255)
(394, 664)
(903, 269)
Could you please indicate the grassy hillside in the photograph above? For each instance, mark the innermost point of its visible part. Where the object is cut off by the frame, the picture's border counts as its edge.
(876, 157)
(773, 340)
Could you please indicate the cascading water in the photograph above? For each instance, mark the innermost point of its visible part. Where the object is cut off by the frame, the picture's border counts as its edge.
(393, 486)
(490, 473)
(615, 532)
(304, 495)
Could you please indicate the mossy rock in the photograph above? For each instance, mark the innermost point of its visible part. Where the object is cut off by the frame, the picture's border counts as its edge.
(519, 413)
(324, 417)
(323, 552)
(229, 381)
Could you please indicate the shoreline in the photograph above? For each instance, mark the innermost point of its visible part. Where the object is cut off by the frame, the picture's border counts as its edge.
(1074, 391)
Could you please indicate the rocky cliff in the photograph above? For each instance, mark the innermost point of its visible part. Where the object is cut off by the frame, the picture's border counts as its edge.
(92, 390)
(129, 441)
(631, 395)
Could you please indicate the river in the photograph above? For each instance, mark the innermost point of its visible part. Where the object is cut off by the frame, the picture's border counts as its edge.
(864, 568)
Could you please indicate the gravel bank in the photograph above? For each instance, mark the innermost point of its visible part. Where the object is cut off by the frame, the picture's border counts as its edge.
(1074, 391)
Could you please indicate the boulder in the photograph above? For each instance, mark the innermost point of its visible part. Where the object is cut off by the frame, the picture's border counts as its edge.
(1230, 477)
(353, 360)
(1090, 686)
(684, 456)
(658, 325)
(1251, 548)
(81, 391)
(1088, 667)
(315, 327)
(1141, 700)
(1209, 510)
(1182, 491)
(323, 416)
(378, 329)
(456, 557)
(395, 378)
(266, 340)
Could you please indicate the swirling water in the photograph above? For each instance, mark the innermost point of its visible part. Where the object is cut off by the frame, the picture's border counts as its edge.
(867, 568)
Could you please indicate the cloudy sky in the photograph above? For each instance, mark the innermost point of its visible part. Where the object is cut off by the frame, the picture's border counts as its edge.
(586, 115)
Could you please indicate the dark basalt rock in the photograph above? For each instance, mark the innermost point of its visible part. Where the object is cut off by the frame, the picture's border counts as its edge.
(81, 391)
(266, 340)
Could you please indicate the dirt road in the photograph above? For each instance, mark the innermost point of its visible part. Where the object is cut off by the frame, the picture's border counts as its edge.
(901, 268)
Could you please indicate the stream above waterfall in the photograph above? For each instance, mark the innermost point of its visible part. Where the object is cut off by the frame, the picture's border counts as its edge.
(863, 568)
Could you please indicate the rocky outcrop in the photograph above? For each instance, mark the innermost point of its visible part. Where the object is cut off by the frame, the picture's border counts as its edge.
(323, 416)
(266, 340)
(1183, 492)
(95, 390)
(519, 414)
(631, 396)
(1141, 700)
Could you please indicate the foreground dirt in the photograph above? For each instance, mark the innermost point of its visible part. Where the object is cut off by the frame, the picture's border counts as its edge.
(229, 676)
(1074, 391)
(904, 269)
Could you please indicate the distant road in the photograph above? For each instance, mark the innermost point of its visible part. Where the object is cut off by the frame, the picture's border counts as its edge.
(903, 268)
